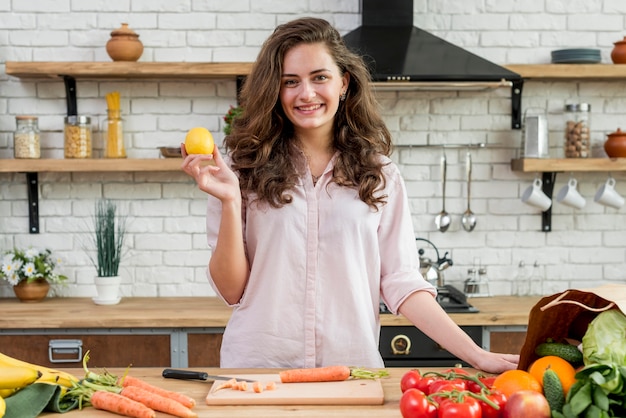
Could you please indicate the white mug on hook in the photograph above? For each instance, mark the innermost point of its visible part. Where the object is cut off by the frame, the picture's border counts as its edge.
(534, 196)
(568, 195)
(607, 196)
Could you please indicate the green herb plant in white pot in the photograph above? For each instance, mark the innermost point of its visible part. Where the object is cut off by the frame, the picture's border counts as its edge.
(108, 238)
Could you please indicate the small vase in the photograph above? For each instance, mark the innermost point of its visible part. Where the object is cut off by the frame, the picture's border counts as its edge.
(32, 292)
(108, 289)
(618, 54)
(615, 145)
(124, 44)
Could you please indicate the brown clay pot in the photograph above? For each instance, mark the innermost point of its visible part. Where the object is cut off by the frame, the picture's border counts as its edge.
(32, 292)
(124, 44)
(618, 54)
(615, 145)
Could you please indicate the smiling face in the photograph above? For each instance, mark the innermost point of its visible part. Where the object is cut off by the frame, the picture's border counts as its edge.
(311, 84)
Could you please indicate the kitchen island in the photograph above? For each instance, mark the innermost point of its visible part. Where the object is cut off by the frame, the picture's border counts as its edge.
(184, 331)
(198, 390)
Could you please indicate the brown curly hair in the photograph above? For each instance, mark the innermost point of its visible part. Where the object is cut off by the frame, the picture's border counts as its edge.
(261, 141)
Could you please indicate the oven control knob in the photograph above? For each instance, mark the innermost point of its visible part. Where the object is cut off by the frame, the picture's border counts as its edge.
(401, 345)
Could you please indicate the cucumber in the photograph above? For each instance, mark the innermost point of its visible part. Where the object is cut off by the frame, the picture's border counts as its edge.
(565, 351)
(553, 390)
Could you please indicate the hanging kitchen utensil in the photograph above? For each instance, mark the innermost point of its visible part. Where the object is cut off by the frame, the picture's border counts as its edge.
(468, 220)
(443, 218)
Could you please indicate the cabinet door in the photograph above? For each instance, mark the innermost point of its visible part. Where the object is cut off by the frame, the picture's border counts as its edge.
(108, 350)
(204, 349)
(506, 341)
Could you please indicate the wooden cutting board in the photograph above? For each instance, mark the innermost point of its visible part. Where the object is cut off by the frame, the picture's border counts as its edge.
(347, 392)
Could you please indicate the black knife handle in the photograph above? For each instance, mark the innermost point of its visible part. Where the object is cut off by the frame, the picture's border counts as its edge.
(185, 374)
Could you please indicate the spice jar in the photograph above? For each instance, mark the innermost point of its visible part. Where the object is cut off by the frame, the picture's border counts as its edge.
(114, 147)
(26, 137)
(577, 131)
(78, 137)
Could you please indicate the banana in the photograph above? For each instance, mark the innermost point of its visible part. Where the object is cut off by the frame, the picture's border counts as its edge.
(3, 407)
(5, 393)
(61, 377)
(57, 378)
(17, 377)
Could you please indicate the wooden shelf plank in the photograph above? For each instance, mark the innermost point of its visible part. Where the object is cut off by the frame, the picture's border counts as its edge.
(144, 70)
(545, 165)
(89, 164)
(569, 71)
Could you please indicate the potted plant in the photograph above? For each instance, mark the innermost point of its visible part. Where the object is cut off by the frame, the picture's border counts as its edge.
(30, 271)
(108, 239)
(233, 112)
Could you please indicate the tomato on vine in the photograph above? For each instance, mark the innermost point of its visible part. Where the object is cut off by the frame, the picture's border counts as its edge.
(410, 380)
(460, 407)
(415, 404)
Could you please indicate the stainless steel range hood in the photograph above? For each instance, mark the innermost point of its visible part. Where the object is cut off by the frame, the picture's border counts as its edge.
(407, 57)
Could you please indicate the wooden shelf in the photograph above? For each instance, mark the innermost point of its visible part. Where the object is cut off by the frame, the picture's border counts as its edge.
(146, 70)
(143, 70)
(551, 165)
(89, 164)
(569, 71)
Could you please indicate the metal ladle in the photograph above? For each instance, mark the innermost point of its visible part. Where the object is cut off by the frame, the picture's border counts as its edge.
(468, 220)
(443, 218)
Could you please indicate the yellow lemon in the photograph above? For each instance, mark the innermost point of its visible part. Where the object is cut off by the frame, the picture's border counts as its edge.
(199, 141)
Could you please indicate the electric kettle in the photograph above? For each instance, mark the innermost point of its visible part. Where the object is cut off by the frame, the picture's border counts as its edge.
(433, 270)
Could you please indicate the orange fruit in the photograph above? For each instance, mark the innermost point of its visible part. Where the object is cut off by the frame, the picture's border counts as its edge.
(563, 369)
(199, 141)
(513, 381)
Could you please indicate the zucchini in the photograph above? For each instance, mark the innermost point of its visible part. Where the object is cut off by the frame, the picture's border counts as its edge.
(565, 351)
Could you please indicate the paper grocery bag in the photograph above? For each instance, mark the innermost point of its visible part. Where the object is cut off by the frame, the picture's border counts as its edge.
(567, 315)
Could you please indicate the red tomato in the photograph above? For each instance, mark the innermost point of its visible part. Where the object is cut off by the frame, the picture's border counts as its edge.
(410, 380)
(489, 411)
(440, 388)
(467, 408)
(425, 383)
(456, 384)
(415, 404)
(488, 381)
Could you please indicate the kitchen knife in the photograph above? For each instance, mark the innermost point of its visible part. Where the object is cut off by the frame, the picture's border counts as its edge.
(191, 375)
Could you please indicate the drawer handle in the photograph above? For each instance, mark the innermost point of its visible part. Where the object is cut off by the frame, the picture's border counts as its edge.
(67, 347)
(401, 345)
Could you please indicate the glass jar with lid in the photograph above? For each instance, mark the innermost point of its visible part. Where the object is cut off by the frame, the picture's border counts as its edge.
(78, 133)
(577, 130)
(26, 137)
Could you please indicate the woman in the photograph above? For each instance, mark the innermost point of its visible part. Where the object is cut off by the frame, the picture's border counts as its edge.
(308, 218)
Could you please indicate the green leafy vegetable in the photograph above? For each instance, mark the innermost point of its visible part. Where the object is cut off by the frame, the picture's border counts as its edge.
(605, 339)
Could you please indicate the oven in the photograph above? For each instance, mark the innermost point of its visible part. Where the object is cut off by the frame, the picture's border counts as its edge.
(407, 346)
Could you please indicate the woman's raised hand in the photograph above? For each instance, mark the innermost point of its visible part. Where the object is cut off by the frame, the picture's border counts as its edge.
(212, 174)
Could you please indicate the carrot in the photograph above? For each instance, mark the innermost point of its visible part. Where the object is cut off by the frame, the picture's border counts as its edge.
(270, 386)
(158, 402)
(315, 374)
(114, 402)
(228, 384)
(257, 387)
(327, 374)
(181, 398)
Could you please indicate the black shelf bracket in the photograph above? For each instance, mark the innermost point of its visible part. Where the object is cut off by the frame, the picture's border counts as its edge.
(70, 95)
(32, 183)
(548, 179)
(516, 104)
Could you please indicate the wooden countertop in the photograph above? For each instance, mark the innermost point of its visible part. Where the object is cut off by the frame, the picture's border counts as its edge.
(198, 390)
(205, 312)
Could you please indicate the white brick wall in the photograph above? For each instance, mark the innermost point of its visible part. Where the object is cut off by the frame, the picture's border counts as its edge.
(167, 251)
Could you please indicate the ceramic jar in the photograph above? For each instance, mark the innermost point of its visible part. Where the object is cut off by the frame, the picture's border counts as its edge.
(618, 54)
(615, 145)
(124, 44)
